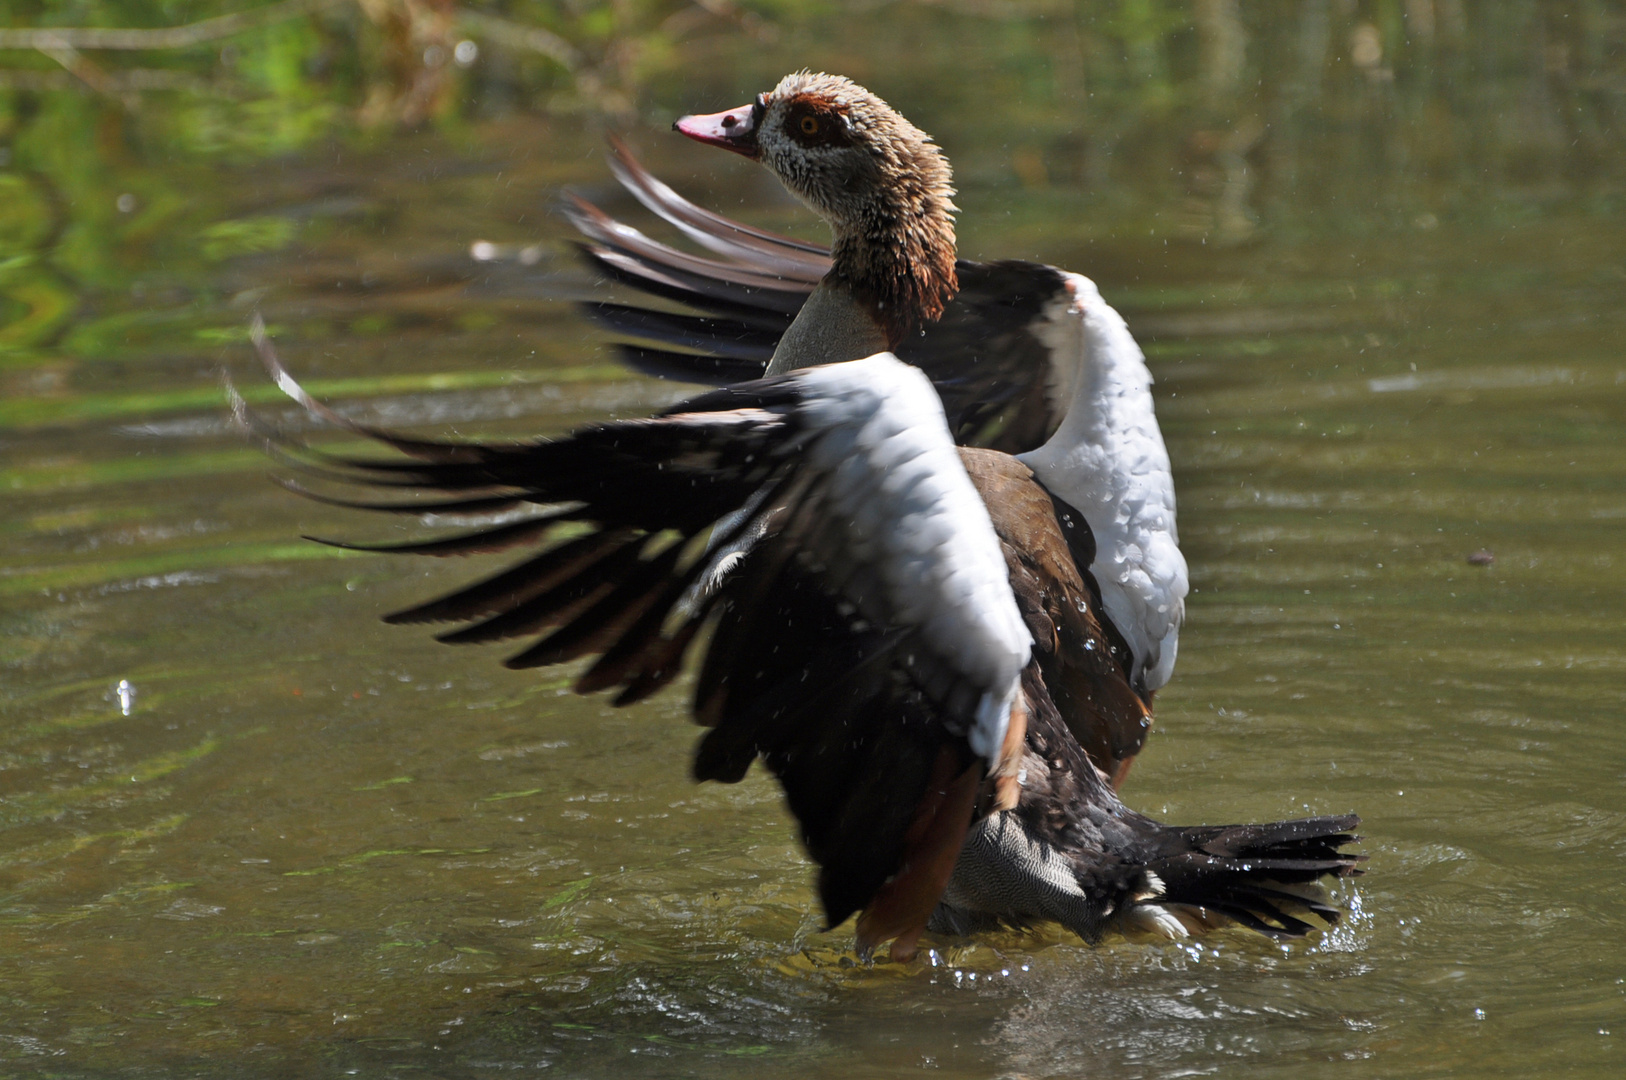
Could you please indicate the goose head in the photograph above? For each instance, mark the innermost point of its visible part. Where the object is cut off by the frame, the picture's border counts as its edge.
(882, 184)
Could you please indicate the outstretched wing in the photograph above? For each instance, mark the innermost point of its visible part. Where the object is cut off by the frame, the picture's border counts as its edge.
(866, 646)
(986, 356)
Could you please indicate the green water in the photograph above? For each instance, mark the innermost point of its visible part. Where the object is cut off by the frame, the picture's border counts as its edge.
(1384, 301)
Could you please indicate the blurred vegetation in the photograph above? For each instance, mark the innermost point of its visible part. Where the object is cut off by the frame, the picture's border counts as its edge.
(1203, 119)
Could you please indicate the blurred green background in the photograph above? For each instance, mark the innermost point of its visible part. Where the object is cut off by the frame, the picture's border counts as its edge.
(1206, 119)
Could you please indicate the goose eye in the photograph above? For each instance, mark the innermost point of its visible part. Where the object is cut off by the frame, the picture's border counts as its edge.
(810, 125)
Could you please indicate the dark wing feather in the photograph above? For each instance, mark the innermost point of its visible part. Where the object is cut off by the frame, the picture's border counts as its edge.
(770, 252)
(689, 367)
(758, 307)
(517, 584)
(617, 553)
(722, 338)
(989, 368)
(480, 542)
(855, 716)
(632, 253)
(820, 697)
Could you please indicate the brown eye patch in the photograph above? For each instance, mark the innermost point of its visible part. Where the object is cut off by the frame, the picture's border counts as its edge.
(813, 124)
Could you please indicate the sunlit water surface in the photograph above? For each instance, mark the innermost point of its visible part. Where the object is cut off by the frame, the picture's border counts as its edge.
(247, 830)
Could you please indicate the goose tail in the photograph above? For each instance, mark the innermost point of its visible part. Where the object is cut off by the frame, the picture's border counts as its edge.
(1264, 877)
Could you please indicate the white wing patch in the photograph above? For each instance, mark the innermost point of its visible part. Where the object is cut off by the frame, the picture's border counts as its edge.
(1107, 460)
(894, 477)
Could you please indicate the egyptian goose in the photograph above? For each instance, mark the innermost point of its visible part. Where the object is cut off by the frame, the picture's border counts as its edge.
(1001, 342)
(884, 646)
(902, 630)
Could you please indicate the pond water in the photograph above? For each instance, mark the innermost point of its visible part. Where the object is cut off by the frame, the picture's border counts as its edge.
(247, 830)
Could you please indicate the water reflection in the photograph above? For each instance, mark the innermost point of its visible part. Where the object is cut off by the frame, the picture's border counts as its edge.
(1373, 250)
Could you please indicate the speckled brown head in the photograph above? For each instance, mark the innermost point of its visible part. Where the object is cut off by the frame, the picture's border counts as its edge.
(884, 187)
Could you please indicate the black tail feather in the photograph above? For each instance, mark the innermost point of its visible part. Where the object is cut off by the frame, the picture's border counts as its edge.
(1247, 872)
(1326, 912)
(1283, 928)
